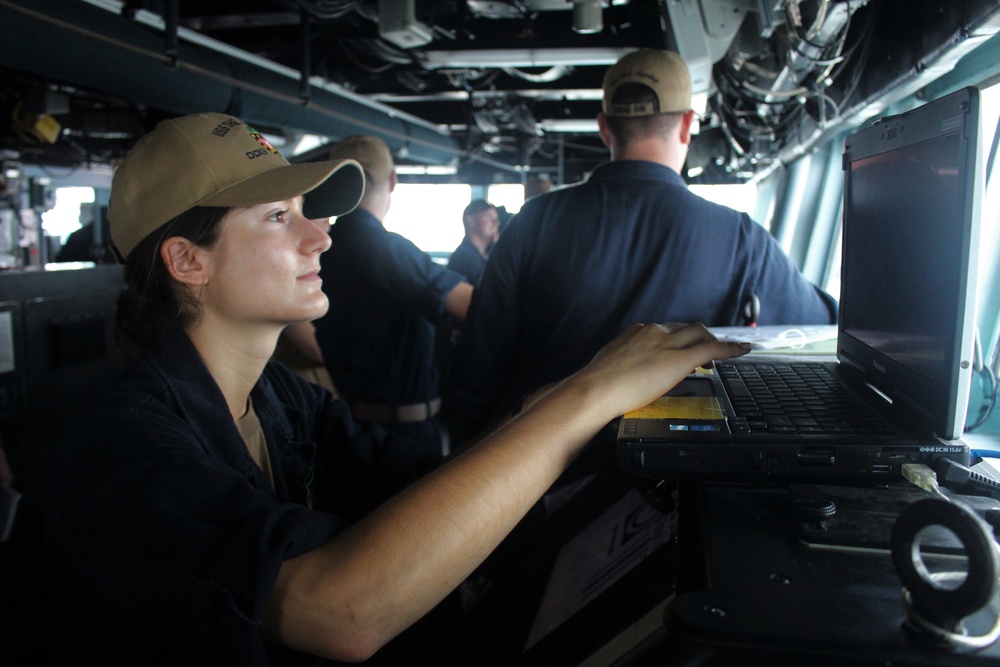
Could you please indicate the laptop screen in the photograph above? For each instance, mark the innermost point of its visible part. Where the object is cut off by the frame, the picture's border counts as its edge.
(911, 212)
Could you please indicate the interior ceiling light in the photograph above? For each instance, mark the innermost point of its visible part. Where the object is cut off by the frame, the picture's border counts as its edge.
(523, 57)
(568, 125)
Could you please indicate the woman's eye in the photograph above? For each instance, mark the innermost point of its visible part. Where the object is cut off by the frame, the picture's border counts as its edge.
(279, 216)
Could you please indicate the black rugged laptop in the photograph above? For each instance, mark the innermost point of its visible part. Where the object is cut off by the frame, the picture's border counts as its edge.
(898, 391)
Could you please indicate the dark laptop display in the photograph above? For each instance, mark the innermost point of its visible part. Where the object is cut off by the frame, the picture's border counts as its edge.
(898, 391)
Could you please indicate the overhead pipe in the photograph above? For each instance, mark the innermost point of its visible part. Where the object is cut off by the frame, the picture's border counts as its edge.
(85, 45)
(305, 55)
(172, 17)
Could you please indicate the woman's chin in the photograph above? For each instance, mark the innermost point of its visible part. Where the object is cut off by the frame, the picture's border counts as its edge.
(318, 309)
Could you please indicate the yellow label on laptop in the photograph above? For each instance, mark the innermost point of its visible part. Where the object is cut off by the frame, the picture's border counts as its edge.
(680, 407)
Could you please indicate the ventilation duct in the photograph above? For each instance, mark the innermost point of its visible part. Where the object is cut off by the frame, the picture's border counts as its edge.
(88, 46)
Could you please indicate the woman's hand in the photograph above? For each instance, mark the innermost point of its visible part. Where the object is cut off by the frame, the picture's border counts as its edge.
(645, 361)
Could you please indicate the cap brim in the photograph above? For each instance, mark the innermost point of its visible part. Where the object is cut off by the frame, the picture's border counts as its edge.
(342, 183)
(338, 194)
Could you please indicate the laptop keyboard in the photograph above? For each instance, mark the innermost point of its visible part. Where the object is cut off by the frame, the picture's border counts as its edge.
(800, 398)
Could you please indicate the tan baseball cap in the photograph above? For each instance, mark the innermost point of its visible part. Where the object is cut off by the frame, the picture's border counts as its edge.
(665, 72)
(212, 159)
(371, 152)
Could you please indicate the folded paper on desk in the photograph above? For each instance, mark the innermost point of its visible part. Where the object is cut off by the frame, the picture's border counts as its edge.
(783, 337)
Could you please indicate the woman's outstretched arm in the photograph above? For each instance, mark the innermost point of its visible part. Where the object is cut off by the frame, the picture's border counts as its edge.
(348, 598)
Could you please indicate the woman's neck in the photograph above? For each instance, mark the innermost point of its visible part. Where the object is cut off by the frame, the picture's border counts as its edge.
(235, 358)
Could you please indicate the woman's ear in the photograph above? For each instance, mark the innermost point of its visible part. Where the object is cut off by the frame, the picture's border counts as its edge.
(186, 262)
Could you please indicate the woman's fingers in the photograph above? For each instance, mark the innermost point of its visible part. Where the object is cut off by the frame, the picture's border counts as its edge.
(683, 335)
(641, 340)
(647, 360)
(705, 352)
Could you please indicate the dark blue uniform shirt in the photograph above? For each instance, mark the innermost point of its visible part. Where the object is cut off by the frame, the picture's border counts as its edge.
(164, 538)
(386, 296)
(578, 265)
(468, 261)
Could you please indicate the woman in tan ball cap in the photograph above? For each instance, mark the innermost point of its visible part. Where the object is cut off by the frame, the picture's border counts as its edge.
(214, 508)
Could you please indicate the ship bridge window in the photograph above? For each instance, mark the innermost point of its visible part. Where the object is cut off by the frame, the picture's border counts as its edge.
(429, 215)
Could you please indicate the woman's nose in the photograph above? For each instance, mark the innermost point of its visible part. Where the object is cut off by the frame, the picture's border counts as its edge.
(316, 237)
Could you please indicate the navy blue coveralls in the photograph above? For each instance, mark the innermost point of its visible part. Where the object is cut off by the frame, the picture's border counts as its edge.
(164, 537)
(386, 296)
(468, 261)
